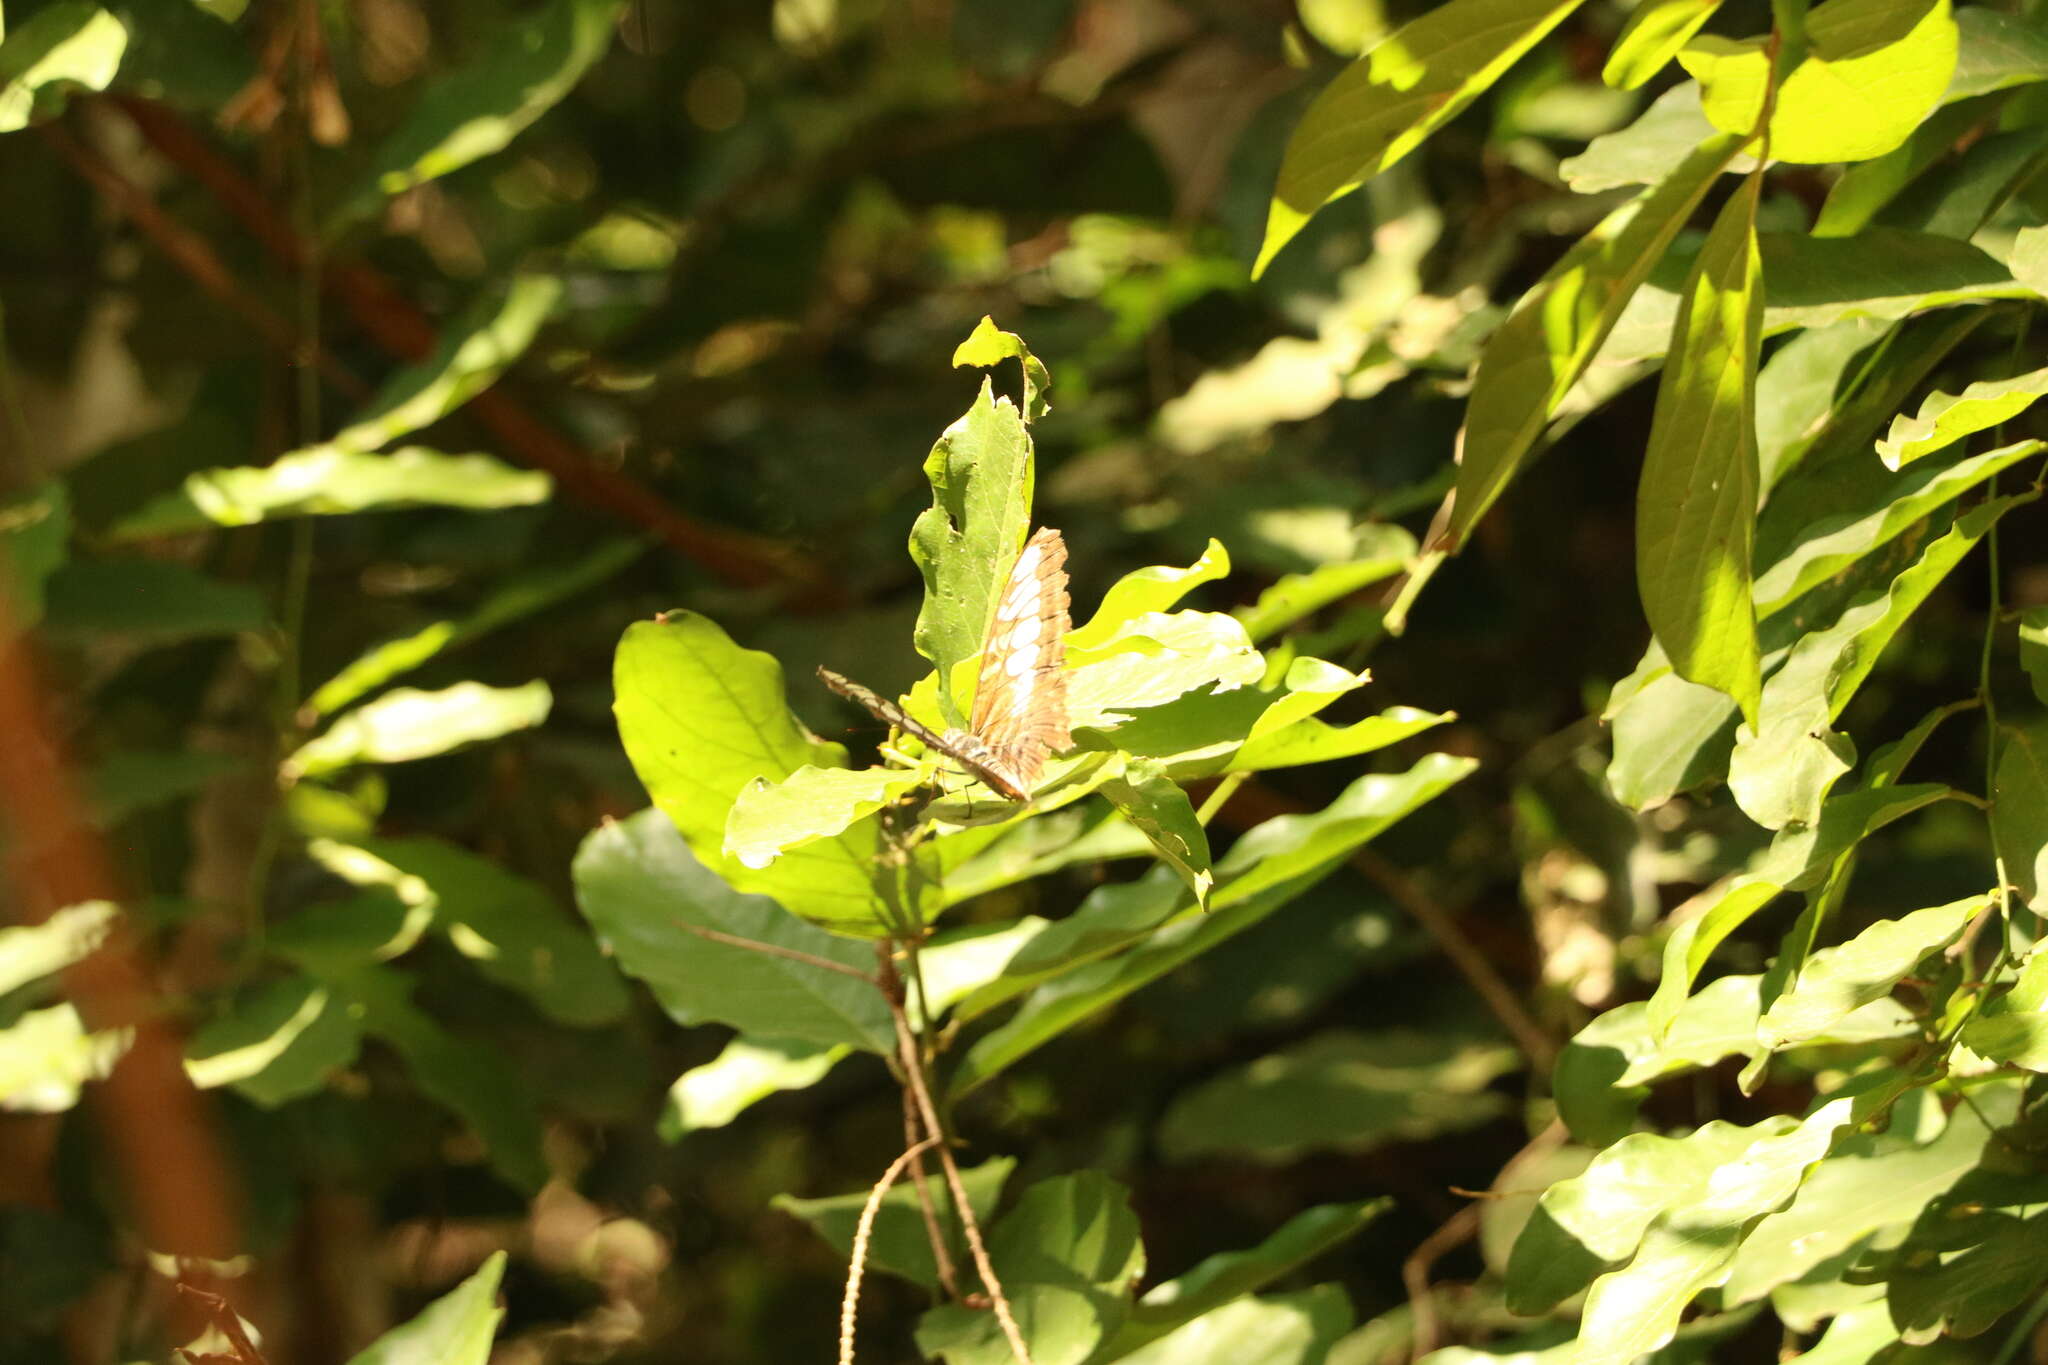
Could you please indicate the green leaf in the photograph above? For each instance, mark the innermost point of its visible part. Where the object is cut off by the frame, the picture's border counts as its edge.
(640, 886)
(325, 481)
(1227, 1276)
(1781, 773)
(2034, 649)
(1399, 91)
(519, 598)
(701, 718)
(989, 346)
(1945, 418)
(1836, 981)
(74, 933)
(1867, 188)
(1865, 1185)
(1382, 550)
(475, 349)
(899, 1244)
(1645, 152)
(1872, 71)
(455, 1329)
(1974, 1253)
(154, 599)
(1822, 547)
(1267, 867)
(1156, 807)
(2019, 1040)
(1997, 51)
(277, 1042)
(1067, 1255)
(1696, 508)
(469, 113)
(748, 1071)
(47, 1056)
(125, 782)
(71, 43)
(1651, 38)
(1153, 659)
(35, 528)
(473, 1080)
(406, 724)
(1340, 1090)
(1880, 273)
(1966, 191)
(1669, 736)
(513, 930)
(1286, 1329)
(1315, 741)
(1546, 345)
(810, 804)
(1797, 391)
(1146, 592)
(966, 542)
(1800, 858)
(332, 938)
(2019, 807)
(1037, 846)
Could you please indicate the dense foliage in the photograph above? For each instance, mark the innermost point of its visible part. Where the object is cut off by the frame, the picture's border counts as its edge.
(1547, 863)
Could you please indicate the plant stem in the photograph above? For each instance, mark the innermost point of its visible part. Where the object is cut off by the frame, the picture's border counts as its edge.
(850, 1305)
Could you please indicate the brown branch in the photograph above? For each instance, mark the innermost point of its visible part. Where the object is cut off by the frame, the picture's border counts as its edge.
(190, 252)
(228, 1321)
(913, 1074)
(942, 1251)
(391, 320)
(155, 1122)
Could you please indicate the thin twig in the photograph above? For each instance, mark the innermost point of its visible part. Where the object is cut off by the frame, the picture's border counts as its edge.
(1470, 962)
(777, 950)
(913, 1067)
(228, 1320)
(942, 1249)
(1454, 1232)
(851, 1304)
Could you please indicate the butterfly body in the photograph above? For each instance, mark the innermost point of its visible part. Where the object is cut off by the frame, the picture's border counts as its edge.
(1020, 697)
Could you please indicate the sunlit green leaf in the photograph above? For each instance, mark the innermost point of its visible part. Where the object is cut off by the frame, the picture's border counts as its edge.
(899, 1244)
(1267, 867)
(747, 1071)
(406, 724)
(1696, 508)
(1343, 1090)
(1068, 1255)
(1867, 189)
(1652, 37)
(475, 349)
(1945, 418)
(519, 598)
(966, 542)
(1228, 1275)
(533, 60)
(701, 718)
(1974, 1252)
(329, 481)
(1153, 659)
(1281, 1330)
(1837, 980)
(810, 804)
(46, 1055)
(2019, 807)
(640, 887)
(989, 345)
(1781, 774)
(276, 1042)
(1399, 91)
(2034, 649)
(1383, 551)
(1872, 71)
(1546, 345)
(71, 43)
(1143, 592)
(455, 1329)
(30, 951)
(1645, 152)
(1799, 859)
(1156, 807)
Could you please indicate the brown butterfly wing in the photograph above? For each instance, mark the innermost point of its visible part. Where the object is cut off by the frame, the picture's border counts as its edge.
(1020, 702)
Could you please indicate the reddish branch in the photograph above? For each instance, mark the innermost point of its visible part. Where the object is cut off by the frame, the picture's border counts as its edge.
(394, 323)
(154, 1120)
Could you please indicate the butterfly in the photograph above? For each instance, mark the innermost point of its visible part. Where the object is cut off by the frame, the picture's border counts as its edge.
(1020, 699)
